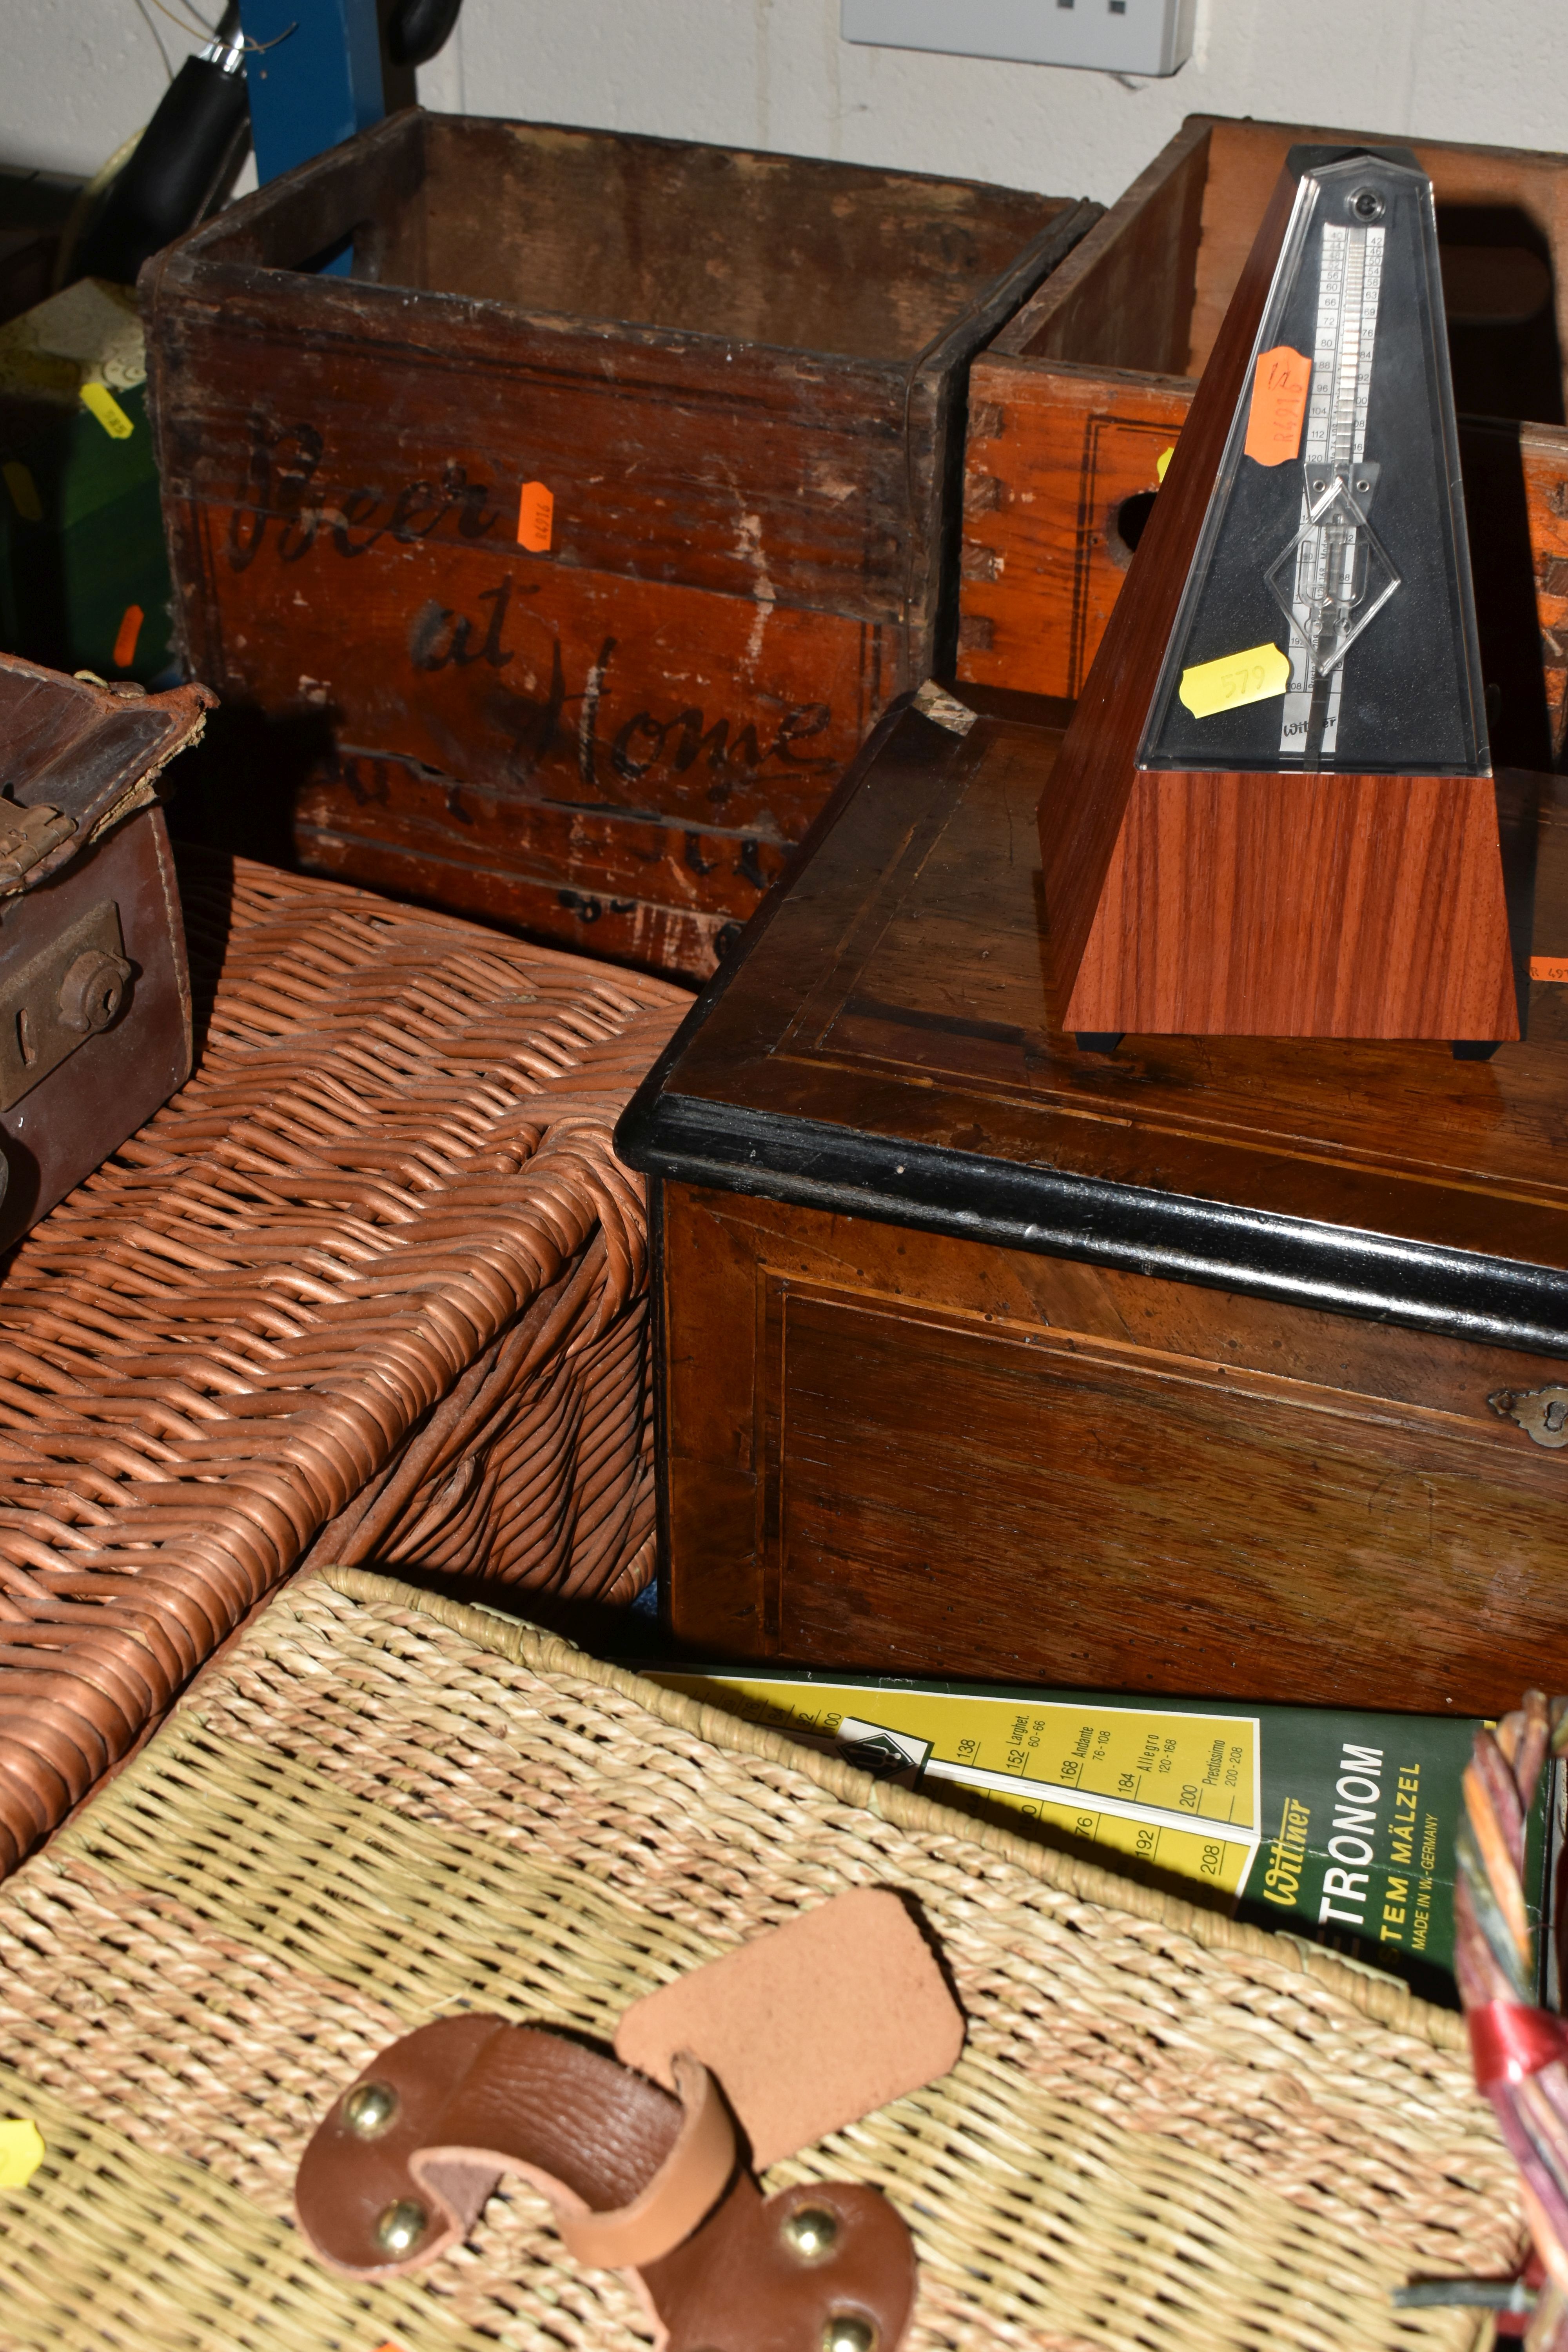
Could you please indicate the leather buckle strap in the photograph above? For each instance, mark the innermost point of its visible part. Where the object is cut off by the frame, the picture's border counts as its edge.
(681, 2194)
(796, 2035)
(399, 2171)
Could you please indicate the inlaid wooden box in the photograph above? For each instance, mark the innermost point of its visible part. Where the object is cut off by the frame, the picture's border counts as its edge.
(1072, 405)
(577, 536)
(1227, 1367)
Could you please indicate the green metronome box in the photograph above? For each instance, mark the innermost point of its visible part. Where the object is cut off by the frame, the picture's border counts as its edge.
(1334, 1825)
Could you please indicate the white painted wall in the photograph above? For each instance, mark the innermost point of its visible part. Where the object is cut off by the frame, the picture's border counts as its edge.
(76, 76)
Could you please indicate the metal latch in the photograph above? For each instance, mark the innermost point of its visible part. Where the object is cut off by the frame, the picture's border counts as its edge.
(1542, 1413)
(60, 998)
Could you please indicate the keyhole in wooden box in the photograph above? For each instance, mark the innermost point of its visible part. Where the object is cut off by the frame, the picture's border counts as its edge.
(1128, 523)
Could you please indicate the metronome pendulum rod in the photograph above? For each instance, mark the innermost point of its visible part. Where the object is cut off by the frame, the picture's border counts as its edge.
(1337, 486)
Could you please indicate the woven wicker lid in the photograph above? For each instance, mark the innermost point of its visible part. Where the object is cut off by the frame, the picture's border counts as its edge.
(376, 1806)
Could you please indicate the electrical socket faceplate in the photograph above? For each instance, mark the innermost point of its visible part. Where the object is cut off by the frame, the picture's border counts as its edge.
(1133, 36)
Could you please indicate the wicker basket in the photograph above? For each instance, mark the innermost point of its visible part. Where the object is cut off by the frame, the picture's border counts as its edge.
(1166, 2131)
(373, 1280)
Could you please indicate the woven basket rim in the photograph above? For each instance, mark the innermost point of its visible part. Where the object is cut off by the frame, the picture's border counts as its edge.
(1386, 2000)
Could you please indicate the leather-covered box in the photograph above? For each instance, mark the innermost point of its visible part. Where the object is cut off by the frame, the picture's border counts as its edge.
(95, 1011)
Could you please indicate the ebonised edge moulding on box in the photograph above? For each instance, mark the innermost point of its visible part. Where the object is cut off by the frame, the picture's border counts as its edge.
(899, 1180)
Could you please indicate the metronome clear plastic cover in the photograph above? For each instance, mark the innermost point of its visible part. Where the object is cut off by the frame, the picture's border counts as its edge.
(1326, 621)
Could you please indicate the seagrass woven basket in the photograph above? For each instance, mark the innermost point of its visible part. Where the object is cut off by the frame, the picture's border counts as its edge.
(1166, 2130)
(374, 1280)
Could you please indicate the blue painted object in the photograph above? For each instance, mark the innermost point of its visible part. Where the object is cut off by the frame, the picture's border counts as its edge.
(319, 85)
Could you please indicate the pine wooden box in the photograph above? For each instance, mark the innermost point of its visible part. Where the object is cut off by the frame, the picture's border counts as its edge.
(1073, 404)
(741, 377)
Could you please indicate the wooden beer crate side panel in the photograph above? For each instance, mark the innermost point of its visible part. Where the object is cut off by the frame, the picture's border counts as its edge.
(752, 544)
(580, 688)
(683, 942)
(287, 225)
(739, 245)
(754, 247)
(667, 459)
(688, 429)
(661, 890)
(1056, 455)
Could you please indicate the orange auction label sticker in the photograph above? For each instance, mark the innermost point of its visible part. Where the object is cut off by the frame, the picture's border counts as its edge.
(1549, 968)
(535, 518)
(1279, 405)
(131, 622)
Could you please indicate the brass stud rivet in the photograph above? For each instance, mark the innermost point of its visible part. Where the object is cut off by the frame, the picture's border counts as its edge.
(810, 2233)
(368, 2110)
(403, 2225)
(847, 2332)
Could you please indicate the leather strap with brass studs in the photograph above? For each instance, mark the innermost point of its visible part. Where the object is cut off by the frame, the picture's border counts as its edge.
(807, 2029)
(639, 2180)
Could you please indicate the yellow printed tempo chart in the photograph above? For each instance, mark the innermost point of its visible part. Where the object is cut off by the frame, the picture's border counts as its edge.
(1178, 1792)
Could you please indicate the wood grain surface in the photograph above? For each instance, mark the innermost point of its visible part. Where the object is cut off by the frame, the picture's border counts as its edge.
(740, 379)
(581, 689)
(1334, 905)
(666, 895)
(919, 1456)
(903, 987)
(1093, 778)
(1259, 906)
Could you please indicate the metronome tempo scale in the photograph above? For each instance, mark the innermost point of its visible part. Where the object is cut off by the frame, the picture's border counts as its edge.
(1274, 812)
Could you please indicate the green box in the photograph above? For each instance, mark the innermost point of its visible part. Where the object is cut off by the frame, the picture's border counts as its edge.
(1334, 1825)
(91, 548)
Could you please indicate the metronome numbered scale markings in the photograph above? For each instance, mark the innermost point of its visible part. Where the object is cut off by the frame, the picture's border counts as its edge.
(1336, 506)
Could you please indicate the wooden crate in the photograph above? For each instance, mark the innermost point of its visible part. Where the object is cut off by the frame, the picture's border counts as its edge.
(1234, 1366)
(1073, 404)
(740, 378)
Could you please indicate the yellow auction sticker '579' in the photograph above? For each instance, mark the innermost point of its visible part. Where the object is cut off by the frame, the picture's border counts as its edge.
(1225, 684)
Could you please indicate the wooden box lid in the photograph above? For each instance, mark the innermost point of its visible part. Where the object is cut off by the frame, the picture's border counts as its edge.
(884, 1044)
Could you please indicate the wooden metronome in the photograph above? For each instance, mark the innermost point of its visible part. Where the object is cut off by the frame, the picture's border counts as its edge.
(1273, 814)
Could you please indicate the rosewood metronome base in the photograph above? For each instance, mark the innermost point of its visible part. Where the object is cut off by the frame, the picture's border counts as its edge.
(1304, 906)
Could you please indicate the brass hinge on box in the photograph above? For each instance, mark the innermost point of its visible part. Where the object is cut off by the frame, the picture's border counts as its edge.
(27, 837)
